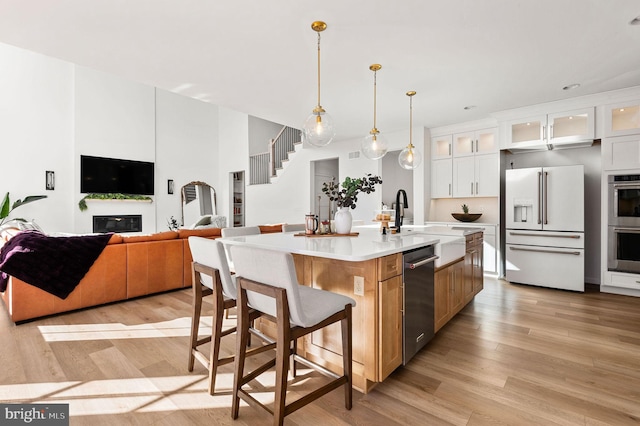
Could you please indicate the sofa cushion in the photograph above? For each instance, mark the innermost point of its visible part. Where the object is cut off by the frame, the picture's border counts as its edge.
(269, 229)
(202, 232)
(115, 239)
(160, 236)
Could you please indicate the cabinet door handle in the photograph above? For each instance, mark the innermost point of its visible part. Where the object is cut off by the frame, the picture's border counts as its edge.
(449, 189)
(476, 146)
(471, 188)
(550, 131)
(449, 149)
(544, 132)
(476, 188)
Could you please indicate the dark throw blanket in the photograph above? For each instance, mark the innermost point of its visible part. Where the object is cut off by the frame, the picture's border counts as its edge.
(53, 264)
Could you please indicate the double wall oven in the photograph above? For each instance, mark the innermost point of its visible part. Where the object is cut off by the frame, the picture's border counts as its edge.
(623, 253)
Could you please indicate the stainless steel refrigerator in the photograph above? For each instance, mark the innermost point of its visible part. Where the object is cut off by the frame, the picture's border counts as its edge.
(544, 209)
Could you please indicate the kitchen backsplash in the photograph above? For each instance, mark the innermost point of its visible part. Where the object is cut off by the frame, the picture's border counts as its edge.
(441, 209)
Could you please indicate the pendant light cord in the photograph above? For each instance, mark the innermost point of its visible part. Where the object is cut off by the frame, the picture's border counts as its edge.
(318, 69)
(374, 99)
(410, 122)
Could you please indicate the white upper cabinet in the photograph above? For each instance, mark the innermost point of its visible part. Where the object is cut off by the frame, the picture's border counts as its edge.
(477, 176)
(441, 175)
(558, 129)
(465, 164)
(441, 147)
(622, 119)
(478, 142)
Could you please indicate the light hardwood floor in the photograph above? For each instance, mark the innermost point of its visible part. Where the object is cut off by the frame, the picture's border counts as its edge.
(515, 355)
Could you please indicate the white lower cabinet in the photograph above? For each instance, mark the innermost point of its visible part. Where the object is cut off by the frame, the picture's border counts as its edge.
(631, 281)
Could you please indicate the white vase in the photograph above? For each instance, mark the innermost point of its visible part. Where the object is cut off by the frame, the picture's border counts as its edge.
(343, 220)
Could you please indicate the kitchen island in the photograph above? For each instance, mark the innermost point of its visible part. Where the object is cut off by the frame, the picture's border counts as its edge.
(367, 267)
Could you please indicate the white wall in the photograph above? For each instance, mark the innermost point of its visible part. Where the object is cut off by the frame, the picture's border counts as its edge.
(186, 150)
(290, 198)
(36, 134)
(51, 112)
(395, 178)
(113, 118)
(260, 133)
(233, 156)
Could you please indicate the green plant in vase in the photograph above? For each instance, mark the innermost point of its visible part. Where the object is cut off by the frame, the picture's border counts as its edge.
(346, 196)
(465, 209)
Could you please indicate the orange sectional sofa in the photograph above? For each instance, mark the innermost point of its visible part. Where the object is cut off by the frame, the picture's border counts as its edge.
(128, 267)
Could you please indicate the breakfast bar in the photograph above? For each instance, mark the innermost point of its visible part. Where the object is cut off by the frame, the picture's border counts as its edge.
(367, 267)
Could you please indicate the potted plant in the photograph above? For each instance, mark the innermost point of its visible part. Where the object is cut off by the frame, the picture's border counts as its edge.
(465, 216)
(82, 204)
(346, 196)
(6, 207)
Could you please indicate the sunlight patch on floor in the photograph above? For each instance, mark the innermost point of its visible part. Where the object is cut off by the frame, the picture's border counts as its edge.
(179, 327)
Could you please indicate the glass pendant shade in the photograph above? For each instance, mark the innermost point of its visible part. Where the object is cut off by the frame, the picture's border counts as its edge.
(374, 146)
(318, 129)
(409, 158)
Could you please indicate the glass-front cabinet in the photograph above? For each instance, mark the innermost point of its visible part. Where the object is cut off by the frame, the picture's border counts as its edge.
(622, 119)
(478, 142)
(441, 147)
(556, 129)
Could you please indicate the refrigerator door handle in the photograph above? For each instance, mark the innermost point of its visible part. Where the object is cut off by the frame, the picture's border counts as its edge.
(539, 198)
(545, 189)
(537, 234)
(576, 253)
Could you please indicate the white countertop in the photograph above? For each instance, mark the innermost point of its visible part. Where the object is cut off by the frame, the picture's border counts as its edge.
(369, 244)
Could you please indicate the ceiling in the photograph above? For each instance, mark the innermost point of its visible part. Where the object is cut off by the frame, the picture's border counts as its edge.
(259, 57)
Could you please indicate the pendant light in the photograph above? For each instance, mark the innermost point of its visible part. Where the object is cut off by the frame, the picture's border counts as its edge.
(409, 157)
(374, 146)
(318, 128)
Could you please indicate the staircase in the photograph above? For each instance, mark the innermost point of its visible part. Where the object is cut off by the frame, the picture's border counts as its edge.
(267, 166)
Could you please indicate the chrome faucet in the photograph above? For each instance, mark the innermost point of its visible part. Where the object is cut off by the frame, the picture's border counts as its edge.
(400, 208)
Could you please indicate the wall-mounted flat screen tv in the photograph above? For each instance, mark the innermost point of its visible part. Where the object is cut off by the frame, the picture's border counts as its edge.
(112, 175)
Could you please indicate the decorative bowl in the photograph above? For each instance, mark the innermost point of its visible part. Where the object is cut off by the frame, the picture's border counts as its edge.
(466, 217)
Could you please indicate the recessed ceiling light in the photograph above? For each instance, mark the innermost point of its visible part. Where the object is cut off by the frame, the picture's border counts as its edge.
(635, 21)
(571, 86)
(468, 107)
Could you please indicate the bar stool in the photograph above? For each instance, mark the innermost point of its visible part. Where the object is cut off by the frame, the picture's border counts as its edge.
(211, 276)
(267, 283)
(290, 227)
(239, 231)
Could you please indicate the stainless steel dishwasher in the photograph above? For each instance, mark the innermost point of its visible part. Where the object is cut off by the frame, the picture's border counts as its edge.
(417, 319)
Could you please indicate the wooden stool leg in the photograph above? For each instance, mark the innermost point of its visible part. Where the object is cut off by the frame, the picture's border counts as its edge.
(242, 335)
(283, 351)
(216, 333)
(195, 321)
(347, 357)
(294, 350)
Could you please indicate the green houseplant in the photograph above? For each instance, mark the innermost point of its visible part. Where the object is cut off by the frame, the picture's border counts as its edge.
(346, 196)
(82, 204)
(6, 207)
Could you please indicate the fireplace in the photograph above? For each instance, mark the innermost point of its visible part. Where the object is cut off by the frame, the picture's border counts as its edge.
(118, 223)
